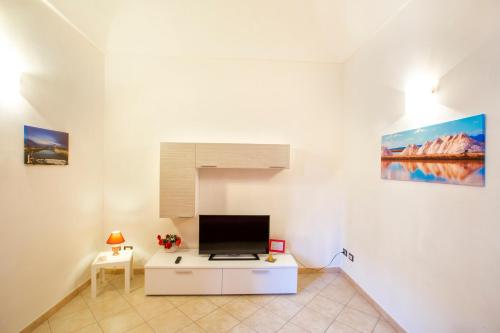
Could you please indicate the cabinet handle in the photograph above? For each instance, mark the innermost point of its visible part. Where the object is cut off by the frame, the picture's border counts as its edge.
(208, 166)
(276, 167)
(183, 272)
(260, 271)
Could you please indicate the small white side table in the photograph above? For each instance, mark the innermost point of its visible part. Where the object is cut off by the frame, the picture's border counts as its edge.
(108, 260)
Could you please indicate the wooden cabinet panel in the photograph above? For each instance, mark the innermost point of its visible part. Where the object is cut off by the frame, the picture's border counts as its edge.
(177, 179)
(248, 156)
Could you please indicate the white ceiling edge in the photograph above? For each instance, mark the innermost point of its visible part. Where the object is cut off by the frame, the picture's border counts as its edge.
(72, 25)
(317, 31)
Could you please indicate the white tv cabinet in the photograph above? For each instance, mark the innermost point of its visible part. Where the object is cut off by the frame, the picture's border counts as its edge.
(196, 275)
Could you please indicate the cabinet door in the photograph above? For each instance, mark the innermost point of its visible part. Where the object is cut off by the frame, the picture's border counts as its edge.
(177, 179)
(246, 156)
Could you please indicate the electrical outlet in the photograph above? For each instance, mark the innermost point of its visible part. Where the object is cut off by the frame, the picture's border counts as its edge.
(344, 252)
(351, 257)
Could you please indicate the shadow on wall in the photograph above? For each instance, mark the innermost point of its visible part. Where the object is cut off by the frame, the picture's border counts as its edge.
(219, 182)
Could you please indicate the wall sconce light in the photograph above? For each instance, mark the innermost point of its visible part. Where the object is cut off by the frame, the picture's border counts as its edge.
(421, 94)
(10, 71)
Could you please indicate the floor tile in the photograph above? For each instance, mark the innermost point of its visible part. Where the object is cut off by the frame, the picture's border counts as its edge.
(358, 302)
(302, 297)
(144, 328)
(260, 300)
(341, 281)
(104, 294)
(197, 308)
(93, 328)
(292, 328)
(338, 293)
(76, 304)
(109, 307)
(43, 328)
(241, 328)
(357, 320)
(218, 321)
(121, 322)
(193, 328)
(325, 306)
(71, 322)
(152, 308)
(170, 321)
(383, 327)
(137, 296)
(283, 307)
(329, 276)
(221, 300)
(338, 327)
(179, 300)
(135, 283)
(264, 321)
(241, 308)
(311, 320)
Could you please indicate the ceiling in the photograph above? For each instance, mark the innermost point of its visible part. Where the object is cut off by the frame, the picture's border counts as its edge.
(285, 30)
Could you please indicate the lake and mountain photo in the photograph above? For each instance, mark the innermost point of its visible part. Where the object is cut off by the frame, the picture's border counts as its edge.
(45, 147)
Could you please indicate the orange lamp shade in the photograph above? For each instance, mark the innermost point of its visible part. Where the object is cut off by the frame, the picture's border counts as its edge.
(115, 238)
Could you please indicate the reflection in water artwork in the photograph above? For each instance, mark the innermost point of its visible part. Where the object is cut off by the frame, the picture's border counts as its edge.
(448, 153)
(43, 146)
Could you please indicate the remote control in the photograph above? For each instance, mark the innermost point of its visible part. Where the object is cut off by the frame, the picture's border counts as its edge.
(178, 260)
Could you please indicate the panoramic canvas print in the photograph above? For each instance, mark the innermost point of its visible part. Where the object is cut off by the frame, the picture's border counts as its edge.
(449, 153)
(42, 146)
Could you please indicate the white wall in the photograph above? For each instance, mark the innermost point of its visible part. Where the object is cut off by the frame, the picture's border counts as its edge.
(50, 216)
(154, 99)
(427, 253)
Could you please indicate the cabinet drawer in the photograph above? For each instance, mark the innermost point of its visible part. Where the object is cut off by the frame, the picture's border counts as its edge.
(171, 281)
(259, 281)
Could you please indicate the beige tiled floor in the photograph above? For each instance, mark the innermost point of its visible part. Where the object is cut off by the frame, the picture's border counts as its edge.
(326, 302)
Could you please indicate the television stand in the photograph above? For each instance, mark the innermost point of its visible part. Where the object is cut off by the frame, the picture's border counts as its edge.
(252, 256)
(196, 275)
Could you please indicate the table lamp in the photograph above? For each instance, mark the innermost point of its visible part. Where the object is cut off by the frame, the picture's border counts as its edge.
(114, 239)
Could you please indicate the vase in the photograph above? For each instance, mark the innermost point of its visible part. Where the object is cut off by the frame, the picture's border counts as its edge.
(172, 249)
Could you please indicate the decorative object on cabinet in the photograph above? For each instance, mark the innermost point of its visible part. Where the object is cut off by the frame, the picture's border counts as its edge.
(115, 238)
(450, 153)
(45, 147)
(170, 243)
(276, 246)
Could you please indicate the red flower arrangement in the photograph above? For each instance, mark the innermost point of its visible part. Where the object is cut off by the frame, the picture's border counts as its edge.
(169, 241)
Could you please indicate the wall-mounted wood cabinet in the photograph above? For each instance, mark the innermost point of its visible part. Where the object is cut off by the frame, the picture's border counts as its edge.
(177, 179)
(242, 156)
(179, 161)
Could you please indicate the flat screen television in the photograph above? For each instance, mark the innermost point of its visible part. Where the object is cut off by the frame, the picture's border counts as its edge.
(234, 234)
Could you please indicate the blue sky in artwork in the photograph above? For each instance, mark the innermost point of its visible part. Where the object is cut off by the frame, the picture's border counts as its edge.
(46, 137)
(472, 126)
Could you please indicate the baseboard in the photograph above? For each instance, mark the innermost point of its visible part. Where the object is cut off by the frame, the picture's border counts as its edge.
(373, 303)
(304, 270)
(37, 322)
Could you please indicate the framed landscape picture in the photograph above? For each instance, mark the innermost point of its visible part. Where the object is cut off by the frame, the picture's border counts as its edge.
(45, 147)
(450, 153)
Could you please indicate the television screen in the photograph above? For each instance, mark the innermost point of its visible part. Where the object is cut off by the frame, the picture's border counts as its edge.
(234, 234)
